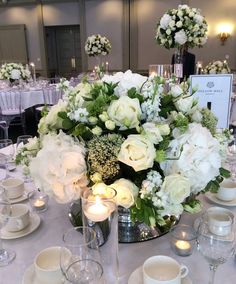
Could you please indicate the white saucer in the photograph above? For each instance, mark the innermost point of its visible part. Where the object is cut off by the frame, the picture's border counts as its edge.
(33, 225)
(137, 277)
(29, 276)
(212, 196)
(23, 197)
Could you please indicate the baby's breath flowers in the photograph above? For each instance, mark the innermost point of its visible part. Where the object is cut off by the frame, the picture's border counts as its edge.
(102, 156)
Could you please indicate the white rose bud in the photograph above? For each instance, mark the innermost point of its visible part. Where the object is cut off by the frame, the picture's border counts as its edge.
(168, 31)
(110, 124)
(97, 130)
(104, 116)
(93, 120)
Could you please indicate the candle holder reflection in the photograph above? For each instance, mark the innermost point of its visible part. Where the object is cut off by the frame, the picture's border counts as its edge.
(38, 201)
(183, 240)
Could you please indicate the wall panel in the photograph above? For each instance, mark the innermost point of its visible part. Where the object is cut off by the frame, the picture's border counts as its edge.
(105, 17)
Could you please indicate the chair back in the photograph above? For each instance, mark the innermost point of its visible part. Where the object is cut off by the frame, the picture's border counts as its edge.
(51, 95)
(10, 102)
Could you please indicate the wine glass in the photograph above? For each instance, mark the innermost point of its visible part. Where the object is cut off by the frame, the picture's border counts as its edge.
(9, 151)
(80, 257)
(216, 240)
(6, 256)
(21, 141)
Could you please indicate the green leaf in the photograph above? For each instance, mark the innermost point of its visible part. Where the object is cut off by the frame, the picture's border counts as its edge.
(62, 114)
(224, 173)
(67, 124)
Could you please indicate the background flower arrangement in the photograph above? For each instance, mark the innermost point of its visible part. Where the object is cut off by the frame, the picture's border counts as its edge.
(217, 67)
(157, 148)
(14, 71)
(97, 45)
(182, 26)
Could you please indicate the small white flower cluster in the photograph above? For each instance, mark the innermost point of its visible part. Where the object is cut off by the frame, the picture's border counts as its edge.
(63, 85)
(14, 71)
(150, 185)
(182, 26)
(151, 106)
(97, 45)
(217, 67)
(80, 115)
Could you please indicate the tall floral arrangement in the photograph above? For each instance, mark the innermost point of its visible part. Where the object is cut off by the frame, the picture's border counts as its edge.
(217, 67)
(183, 26)
(14, 71)
(153, 144)
(97, 45)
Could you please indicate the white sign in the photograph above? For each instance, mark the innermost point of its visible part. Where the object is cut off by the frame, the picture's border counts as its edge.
(214, 92)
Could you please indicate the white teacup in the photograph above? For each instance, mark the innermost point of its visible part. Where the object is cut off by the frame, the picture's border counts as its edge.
(227, 190)
(163, 269)
(220, 220)
(14, 187)
(47, 266)
(19, 219)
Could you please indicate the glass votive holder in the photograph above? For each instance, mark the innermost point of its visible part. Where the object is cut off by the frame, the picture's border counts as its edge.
(38, 201)
(183, 239)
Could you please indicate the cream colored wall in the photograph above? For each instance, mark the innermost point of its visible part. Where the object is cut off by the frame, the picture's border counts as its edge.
(25, 15)
(149, 12)
(105, 17)
(216, 12)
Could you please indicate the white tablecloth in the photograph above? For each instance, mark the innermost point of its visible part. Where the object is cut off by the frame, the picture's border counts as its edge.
(55, 222)
(31, 98)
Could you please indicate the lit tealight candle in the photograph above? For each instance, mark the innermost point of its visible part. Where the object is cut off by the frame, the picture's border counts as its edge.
(153, 74)
(39, 204)
(97, 212)
(183, 247)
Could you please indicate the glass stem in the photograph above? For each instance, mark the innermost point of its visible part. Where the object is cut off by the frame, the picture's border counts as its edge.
(213, 272)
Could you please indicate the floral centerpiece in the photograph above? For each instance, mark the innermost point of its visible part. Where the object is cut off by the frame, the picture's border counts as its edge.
(156, 147)
(14, 71)
(97, 45)
(180, 27)
(217, 67)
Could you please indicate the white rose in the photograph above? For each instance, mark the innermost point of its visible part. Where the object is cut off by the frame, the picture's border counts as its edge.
(179, 24)
(164, 22)
(176, 91)
(171, 24)
(212, 71)
(137, 152)
(184, 104)
(180, 37)
(52, 121)
(180, 14)
(224, 71)
(127, 119)
(126, 191)
(168, 31)
(191, 14)
(177, 187)
(164, 129)
(152, 132)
